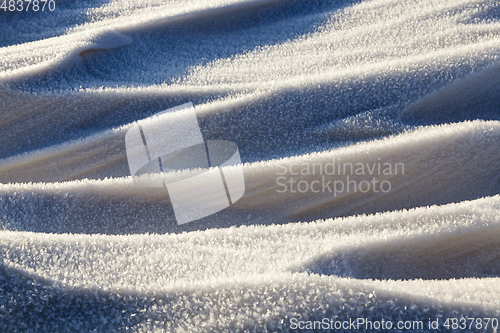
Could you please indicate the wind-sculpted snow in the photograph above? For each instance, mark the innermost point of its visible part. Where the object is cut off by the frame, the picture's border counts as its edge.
(259, 277)
(369, 133)
(273, 190)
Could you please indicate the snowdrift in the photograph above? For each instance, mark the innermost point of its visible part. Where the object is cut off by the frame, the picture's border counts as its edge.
(369, 133)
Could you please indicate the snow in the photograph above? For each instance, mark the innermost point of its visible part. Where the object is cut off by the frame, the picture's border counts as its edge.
(300, 87)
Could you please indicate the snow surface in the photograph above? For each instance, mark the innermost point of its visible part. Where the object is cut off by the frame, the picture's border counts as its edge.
(292, 83)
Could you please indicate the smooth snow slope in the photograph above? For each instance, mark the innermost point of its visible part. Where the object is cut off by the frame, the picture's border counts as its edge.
(292, 83)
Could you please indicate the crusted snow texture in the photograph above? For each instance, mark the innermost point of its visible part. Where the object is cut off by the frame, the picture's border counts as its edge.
(299, 86)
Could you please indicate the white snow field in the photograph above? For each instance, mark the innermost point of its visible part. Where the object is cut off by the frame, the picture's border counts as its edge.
(369, 132)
